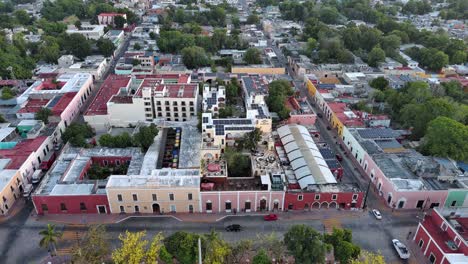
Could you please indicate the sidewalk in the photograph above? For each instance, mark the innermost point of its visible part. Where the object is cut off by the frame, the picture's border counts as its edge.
(14, 210)
(319, 214)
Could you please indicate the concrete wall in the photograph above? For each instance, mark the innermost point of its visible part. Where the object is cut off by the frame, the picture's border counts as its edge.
(123, 115)
(238, 199)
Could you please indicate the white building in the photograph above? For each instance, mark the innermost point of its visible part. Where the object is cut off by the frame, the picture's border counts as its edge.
(214, 98)
(89, 31)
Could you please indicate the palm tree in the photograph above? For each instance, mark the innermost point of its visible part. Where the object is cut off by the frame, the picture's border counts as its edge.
(49, 238)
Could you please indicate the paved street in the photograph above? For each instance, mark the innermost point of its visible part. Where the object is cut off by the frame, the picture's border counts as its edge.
(20, 233)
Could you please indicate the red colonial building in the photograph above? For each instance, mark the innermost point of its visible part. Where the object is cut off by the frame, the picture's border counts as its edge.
(67, 187)
(442, 236)
(311, 182)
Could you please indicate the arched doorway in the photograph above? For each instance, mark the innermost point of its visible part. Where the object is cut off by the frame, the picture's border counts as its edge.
(156, 208)
(306, 206)
(263, 204)
(316, 205)
(333, 205)
(324, 205)
(276, 205)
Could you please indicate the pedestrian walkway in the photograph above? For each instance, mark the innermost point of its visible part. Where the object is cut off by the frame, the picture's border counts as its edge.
(14, 210)
(89, 219)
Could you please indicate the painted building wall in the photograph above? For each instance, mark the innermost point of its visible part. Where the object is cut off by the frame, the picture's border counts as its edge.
(456, 198)
(123, 115)
(259, 200)
(258, 70)
(306, 120)
(307, 200)
(72, 203)
(10, 192)
(147, 204)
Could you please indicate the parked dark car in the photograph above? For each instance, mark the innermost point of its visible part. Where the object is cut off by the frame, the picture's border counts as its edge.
(319, 115)
(233, 228)
(339, 157)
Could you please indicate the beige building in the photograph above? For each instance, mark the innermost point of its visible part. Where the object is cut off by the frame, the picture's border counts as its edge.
(10, 185)
(164, 191)
(258, 69)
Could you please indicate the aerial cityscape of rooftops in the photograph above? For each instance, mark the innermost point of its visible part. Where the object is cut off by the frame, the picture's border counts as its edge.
(234, 131)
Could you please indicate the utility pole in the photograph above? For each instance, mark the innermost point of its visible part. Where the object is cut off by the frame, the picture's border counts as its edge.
(199, 252)
(364, 206)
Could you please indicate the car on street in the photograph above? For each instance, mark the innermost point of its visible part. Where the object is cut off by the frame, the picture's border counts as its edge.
(401, 249)
(270, 217)
(319, 115)
(339, 157)
(377, 214)
(233, 228)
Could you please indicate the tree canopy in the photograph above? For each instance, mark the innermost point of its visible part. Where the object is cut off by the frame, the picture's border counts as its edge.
(252, 56)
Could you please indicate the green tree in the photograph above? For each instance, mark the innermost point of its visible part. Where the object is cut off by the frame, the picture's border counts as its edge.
(2, 119)
(106, 47)
(155, 249)
(194, 57)
(94, 248)
(274, 246)
(251, 139)
(253, 19)
(119, 21)
(77, 134)
(183, 246)
(305, 244)
(145, 136)
(132, 249)
(165, 256)
(376, 56)
(22, 17)
(261, 258)
(240, 251)
(77, 45)
(344, 249)
(446, 137)
(367, 257)
(311, 45)
(43, 115)
(49, 49)
(216, 249)
(390, 44)
(137, 46)
(379, 83)
(252, 56)
(454, 90)
(49, 238)
(7, 93)
(459, 57)
(329, 15)
(238, 164)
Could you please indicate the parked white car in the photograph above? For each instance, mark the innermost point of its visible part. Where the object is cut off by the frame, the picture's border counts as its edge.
(377, 214)
(401, 249)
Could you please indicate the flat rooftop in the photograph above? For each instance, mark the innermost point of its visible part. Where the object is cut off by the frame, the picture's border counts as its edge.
(5, 177)
(159, 179)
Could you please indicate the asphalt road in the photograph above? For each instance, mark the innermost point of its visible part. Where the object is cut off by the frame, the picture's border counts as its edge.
(20, 234)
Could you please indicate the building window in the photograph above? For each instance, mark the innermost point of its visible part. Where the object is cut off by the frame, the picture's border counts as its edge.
(155, 197)
(171, 196)
(300, 197)
(117, 162)
(184, 109)
(168, 108)
(317, 197)
(137, 209)
(106, 163)
(454, 203)
(166, 103)
(148, 115)
(176, 109)
(334, 196)
(228, 205)
(248, 205)
(190, 196)
(119, 197)
(183, 102)
(12, 189)
(174, 103)
(135, 197)
(192, 109)
(209, 206)
(82, 206)
(444, 226)
(355, 196)
(63, 207)
(122, 209)
(432, 258)
(147, 103)
(191, 103)
(421, 243)
(44, 207)
(148, 109)
(159, 108)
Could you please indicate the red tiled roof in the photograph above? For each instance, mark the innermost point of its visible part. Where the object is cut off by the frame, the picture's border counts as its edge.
(8, 82)
(20, 153)
(33, 106)
(110, 87)
(121, 99)
(63, 102)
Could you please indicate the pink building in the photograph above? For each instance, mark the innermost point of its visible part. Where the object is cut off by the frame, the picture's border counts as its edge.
(108, 18)
(442, 236)
(241, 201)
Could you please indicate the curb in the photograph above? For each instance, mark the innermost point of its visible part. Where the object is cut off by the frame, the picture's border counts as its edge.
(147, 216)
